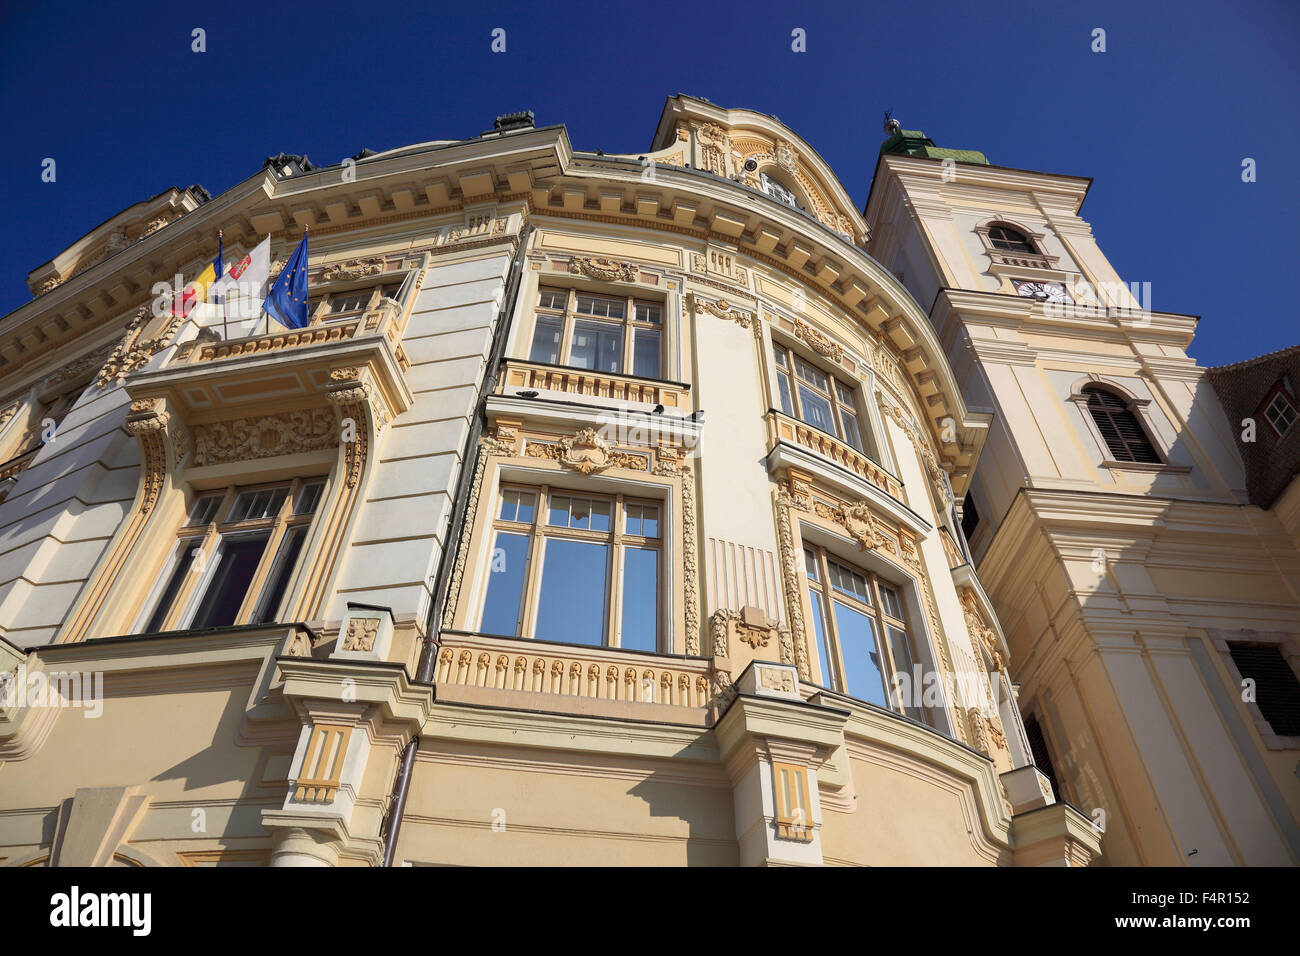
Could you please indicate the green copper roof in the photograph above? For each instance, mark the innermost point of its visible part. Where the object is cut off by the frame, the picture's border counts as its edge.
(913, 142)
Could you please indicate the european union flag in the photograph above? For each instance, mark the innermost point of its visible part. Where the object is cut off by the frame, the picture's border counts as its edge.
(287, 303)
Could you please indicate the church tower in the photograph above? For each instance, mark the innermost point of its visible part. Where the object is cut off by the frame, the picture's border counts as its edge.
(1151, 608)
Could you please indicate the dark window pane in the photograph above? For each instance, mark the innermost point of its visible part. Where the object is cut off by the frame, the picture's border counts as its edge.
(571, 607)
(309, 498)
(183, 563)
(863, 673)
(640, 628)
(852, 434)
(505, 584)
(285, 563)
(230, 580)
(205, 509)
(1277, 692)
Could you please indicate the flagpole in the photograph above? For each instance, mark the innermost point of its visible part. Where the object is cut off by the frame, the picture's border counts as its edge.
(221, 253)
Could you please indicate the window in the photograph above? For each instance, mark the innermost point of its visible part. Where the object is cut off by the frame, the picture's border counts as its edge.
(970, 517)
(1277, 693)
(779, 191)
(1280, 410)
(236, 555)
(1010, 240)
(598, 332)
(1119, 427)
(575, 568)
(1042, 756)
(862, 633)
(345, 304)
(822, 401)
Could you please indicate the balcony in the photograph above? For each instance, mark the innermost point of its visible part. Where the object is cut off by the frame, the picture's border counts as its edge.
(576, 679)
(518, 375)
(783, 428)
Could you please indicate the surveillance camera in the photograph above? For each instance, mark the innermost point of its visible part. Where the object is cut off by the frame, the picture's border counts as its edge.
(751, 165)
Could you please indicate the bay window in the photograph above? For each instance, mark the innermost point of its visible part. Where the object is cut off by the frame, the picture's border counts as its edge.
(817, 398)
(574, 568)
(235, 557)
(862, 634)
(598, 332)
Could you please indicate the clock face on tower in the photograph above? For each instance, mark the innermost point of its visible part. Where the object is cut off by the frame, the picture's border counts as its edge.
(1042, 291)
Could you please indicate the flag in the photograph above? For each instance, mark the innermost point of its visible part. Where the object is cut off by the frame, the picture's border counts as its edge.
(287, 303)
(194, 292)
(243, 287)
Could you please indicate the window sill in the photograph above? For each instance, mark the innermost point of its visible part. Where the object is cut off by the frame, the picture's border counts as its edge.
(522, 375)
(1152, 468)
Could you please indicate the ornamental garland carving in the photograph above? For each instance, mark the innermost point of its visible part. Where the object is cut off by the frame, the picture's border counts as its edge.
(587, 452)
(722, 310)
(245, 439)
(148, 423)
(982, 635)
(724, 622)
(795, 496)
(818, 342)
(605, 270)
(856, 519)
(487, 446)
(679, 468)
(350, 390)
(938, 477)
(135, 351)
(352, 269)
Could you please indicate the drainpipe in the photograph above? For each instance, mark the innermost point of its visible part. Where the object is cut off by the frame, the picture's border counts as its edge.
(429, 653)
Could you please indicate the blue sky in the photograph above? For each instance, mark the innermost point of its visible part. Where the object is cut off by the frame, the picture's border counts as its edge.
(1162, 120)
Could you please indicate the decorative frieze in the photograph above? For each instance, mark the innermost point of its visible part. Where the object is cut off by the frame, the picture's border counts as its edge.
(586, 452)
(818, 342)
(264, 436)
(352, 269)
(722, 309)
(605, 270)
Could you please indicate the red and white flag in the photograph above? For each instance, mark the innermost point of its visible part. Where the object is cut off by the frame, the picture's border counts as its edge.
(242, 290)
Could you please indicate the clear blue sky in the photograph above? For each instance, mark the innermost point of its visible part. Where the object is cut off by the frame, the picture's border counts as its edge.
(1161, 121)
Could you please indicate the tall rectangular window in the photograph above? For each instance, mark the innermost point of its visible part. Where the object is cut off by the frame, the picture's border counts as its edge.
(818, 398)
(598, 332)
(574, 568)
(236, 557)
(863, 638)
(1277, 692)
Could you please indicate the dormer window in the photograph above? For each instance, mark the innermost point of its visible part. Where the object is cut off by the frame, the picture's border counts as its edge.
(1280, 409)
(1010, 240)
(779, 191)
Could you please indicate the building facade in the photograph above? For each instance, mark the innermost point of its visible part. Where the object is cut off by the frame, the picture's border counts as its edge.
(608, 510)
(1133, 518)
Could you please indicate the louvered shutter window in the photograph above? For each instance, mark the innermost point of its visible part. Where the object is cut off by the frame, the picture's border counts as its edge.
(1119, 427)
(1277, 692)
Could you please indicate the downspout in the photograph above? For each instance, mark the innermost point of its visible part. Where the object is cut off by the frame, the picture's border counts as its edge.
(429, 653)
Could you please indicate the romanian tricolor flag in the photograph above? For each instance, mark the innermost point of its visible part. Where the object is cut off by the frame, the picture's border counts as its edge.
(197, 291)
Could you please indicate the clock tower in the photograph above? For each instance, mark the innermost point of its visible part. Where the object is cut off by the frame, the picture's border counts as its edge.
(1108, 517)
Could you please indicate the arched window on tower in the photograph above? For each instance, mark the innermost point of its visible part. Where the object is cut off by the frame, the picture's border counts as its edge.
(1010, 240)
(1120, 427)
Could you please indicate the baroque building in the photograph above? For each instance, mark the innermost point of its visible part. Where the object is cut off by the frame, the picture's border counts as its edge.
(609, 509)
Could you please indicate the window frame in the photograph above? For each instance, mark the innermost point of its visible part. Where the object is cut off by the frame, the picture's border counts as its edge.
(833, 399)
(630, 328)
(1130, 408)
(209, 538)
(539, 531)
(320, 306)
(1280, 391)
(881, 620)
